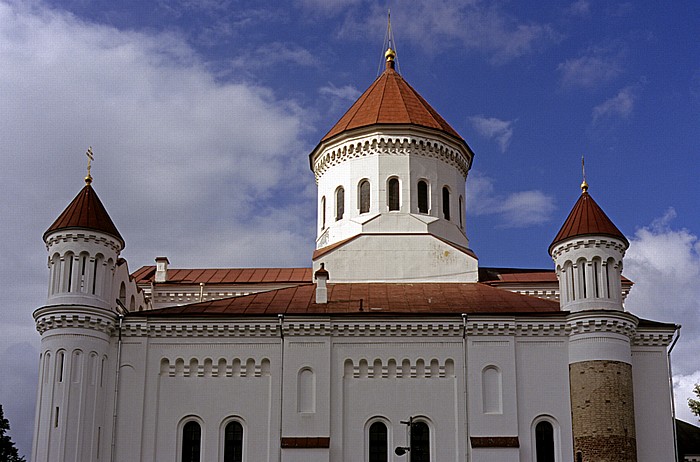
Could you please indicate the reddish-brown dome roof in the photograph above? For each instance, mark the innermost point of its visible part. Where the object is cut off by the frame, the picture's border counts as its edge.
(86, 212)
(586, 219)
(390, 100)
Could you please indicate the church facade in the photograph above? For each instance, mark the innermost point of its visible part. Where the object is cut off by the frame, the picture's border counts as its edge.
(394, 345)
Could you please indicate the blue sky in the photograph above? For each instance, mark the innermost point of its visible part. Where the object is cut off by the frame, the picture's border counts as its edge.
(202, 114)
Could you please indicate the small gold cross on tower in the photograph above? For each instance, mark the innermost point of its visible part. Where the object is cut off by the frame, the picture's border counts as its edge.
(89, 154)
(584, 185)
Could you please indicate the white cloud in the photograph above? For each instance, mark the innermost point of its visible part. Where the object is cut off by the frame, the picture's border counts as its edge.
(593, 68)
(683, 390)
(664, 263)
(579, 8)
(274, 54)
(493, 128)
(464, 24)
(619, 106)
(326, 7)
(516, 210)
(346, 92)
(177, 153)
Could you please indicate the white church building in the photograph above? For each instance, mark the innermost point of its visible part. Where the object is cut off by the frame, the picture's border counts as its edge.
(393, 345)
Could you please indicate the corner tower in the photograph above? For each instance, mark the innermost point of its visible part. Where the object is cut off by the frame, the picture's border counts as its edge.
(76, 326)
(588, 252)
(391, 190)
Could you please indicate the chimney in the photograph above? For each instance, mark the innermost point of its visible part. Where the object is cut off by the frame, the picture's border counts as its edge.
(162, 269)
(321, 290)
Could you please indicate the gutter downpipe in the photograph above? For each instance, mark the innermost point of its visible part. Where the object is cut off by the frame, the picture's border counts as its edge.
(466, 397)
(677, 334)
(280, 318)
(120, 317)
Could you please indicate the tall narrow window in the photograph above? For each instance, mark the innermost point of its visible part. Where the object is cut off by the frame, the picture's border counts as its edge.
(191, 442)
(596, 278)
(446, 203)
(323, 212)
(364, 196)
(393, 191)
(306, 391)
(544, 442)
(461, 212)
(422, 197)
(233, 442)
(378, 444)
(339, 203)
(420, 442)
(69, 269)
(60, 364)
(122, 294)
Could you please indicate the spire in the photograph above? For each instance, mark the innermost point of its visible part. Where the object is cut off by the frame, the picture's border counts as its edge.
(89, 154)
(86, 210)
(587, 219)
(584, 185)
(390, 46)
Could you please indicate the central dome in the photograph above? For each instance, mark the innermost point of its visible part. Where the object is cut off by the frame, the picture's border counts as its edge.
(391, 100)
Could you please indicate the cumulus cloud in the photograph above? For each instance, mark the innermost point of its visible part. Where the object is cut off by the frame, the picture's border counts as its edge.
(593, 68)
(619, 106)
(492, 128)
(182, 160)
(466, 24)
(516, 210)
(664, 263)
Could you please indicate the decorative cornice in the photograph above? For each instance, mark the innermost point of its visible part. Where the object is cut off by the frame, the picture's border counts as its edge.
(615, 322)
(652, 338)
(397, 145)
(77, 317)
(579, 242)
(73, 236)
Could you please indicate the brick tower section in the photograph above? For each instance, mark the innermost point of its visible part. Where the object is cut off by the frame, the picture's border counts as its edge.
(602, 411)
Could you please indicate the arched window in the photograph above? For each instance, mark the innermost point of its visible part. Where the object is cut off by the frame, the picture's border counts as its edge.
(544, 442)
(191, 441)
(323, 212)
(461, 212)
(364, 196)
(420, 442)
(492, 390)
(446, 203)
(122, 294)
(233, 442)
(596, 277)
(393, 193)
(422, 197)
(99, 259)
(306, 391)
(339, 203)
(68, 272)
(378, 443)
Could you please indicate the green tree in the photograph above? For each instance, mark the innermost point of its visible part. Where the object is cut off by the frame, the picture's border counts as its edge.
(8, 451)
(694, 404)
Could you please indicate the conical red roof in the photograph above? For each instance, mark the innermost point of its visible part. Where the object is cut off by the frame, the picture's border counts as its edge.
(587, 219)
(390, 100)
(86, 212)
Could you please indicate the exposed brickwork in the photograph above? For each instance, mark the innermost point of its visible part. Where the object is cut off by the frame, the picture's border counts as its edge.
(602, 411)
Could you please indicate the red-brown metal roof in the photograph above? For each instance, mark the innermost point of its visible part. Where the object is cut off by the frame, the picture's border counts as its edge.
(146, 274)
(587, 219)
(410, 299)
(390, 100)
(86, 212)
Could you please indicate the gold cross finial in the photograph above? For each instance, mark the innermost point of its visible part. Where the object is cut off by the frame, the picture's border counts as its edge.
(584, 185)
(90, 156)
